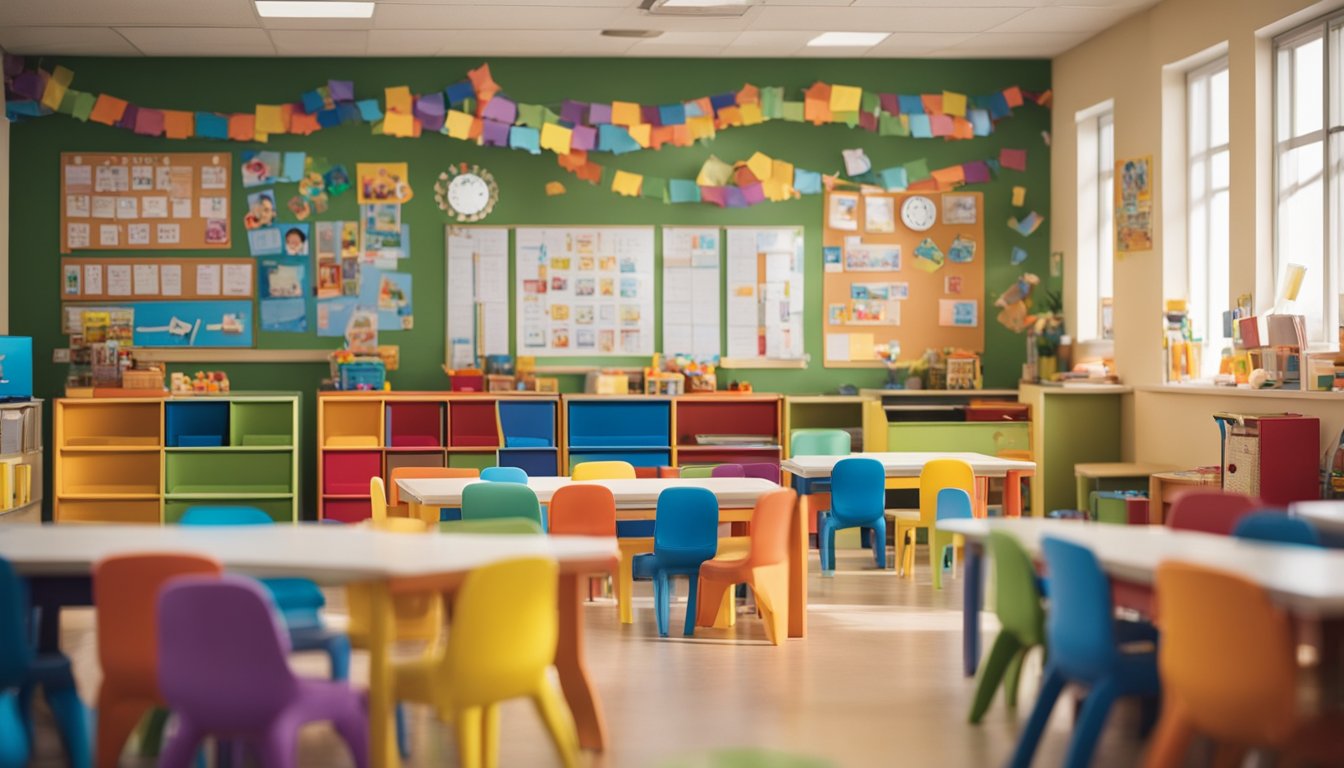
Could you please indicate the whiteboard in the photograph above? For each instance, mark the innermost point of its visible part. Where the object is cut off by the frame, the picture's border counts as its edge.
(691, 318)
(765, 293)
(477, 275)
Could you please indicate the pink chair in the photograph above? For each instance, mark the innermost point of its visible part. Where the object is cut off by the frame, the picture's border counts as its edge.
(223, 671)
(763, 470)
(728, 470)
(1210, 510)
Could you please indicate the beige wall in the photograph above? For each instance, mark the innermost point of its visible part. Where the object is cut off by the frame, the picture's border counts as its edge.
(4, 217)
(1140, 64)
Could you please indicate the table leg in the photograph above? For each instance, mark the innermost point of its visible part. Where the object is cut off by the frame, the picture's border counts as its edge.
(625, 576)
(583, 702)
(1012, 493)
(798, 570)
(382, 698)
(981, 497)
(972, 600)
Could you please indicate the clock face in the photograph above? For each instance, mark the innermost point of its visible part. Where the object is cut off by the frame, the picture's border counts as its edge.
(919, 213)
(468, 194)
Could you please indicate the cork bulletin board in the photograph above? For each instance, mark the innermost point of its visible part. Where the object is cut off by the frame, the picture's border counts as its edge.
(902, 266)
(157, 278)
(145, 201)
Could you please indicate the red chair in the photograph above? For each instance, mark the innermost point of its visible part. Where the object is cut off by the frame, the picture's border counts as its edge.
(1210, 510)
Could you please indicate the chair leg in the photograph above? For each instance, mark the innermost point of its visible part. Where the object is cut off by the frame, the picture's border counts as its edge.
(770, 584)
(825, 543)
(14, 747)
(1011, 676)
(72, 720)
(1006, 648)
(1040, 713)
(559, 723)
(689, 628)
(900, 546)
(403, 731)
(490, 736)
(1096, 709)
(338, 650)
(711, 597)
(1171, 741)
(151, 731)
(662, 601)
(352, 725)
(468, 737)
(181, 747)
(117, 719)
(880, 542)
(935, 558)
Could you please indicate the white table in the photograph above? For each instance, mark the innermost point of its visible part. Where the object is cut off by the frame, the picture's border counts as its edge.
(58, 561)
(906, 463)
(1327, 516)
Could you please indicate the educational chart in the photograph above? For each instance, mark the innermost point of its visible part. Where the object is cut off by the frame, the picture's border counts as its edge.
(152, 201)
(149, 278)
(477, 317)
(902, 268)
(765, 293)
(691, 292)
(584, 290)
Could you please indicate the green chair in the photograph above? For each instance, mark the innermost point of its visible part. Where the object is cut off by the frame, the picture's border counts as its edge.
(1022, 617)
(700, 471)
(495, 525)
(489, 501)
(819, 442)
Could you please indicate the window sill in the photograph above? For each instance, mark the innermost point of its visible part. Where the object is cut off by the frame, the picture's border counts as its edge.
(1210, 390)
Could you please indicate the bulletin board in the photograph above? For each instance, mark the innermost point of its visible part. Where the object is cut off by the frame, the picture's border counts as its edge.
(883, 282)
(145, 201)
(151, 278)
(476, 322)
(765, 294)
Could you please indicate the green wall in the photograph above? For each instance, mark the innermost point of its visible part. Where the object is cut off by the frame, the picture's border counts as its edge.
(227, 85)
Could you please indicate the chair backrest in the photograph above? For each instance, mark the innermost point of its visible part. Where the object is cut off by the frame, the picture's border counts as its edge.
(770, 523)
(377, 499)
(126, 603)
(482, 501)
(604, 470)
(1278, 527)
(16, 650)
(763, 470)
(1018, 604)
(496, 654)
(225, 515)
(504, 475)
(583, 510)
(1080, 629)
(1227, 654)
(1210, 510)
(698, 471)
(509, 525)
(858, 490)
(728, 470)
(222, 652)
(937, 475)
(686, 526)
(423, 473)
(953, 504)
(819, 442)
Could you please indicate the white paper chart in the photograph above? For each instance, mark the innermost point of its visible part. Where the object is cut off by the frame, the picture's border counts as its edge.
(584, 290)
(478, 294)
(691, 292)
(765, 293)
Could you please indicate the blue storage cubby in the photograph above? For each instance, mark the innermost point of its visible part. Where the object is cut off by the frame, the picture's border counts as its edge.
(526, 424)
(536, 462)
(202, 424)
(615, 425)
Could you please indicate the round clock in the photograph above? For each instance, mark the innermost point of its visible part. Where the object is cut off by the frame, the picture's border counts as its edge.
(919, 213)
(466, 192)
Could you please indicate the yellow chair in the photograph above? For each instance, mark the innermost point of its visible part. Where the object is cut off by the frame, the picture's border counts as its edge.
(493, 656)
(604, 470)
(630, 545)
(419, 617)
(936, 475)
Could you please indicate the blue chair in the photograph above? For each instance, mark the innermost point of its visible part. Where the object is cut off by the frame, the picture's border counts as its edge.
(858, 500)
(299, 601)
(22, 671)
(1278, 527)
(1088, 647)
(685, 535)
(504, 475)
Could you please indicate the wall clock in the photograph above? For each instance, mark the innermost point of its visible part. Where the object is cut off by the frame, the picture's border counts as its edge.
(919, 213)
(467, 193)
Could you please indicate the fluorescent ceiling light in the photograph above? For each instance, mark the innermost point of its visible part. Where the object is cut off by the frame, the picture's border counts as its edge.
(313, 9)
(848, 39)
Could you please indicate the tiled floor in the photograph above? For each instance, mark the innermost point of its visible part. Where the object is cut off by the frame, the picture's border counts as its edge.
(877, 682)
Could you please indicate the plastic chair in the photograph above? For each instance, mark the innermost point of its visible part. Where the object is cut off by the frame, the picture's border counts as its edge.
(936, 476)
(1209, 510)
(819, 442)
(728, 470)
(223, 672)
(492, 656)
(632, 530)
(1088, 648)
(1021, 616)
(858, 494)
(299, 601)
(604, 470)
(125, 598)
(698, 472)
(22, 671)
(1277, 527)
(763, 470)
(510, 525)
(484, 501)
(583, 510)
(504, 475)
(685, 534)
(1229, 673)
(422, 473)
(764, 568)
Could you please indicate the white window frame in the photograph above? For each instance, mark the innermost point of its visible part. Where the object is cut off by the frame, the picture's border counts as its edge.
(1209, 297)
(1094, 267)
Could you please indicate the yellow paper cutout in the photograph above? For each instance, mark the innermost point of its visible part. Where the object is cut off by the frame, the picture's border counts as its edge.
(845, 98)
(954, 104)
(1019, 196)
(270, 119)
(701, 127)
(762, 166)
(398, 99)
(783, 171)
(714, 173)
(57, 85)
(641, 133)
(751, 114)
(400, 124)
(777, 190)
(556, 138)
(458, 124)
(625, 113)
(625, 183)
(554, 188)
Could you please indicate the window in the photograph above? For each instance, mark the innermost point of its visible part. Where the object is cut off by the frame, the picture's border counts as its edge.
(1309, 168)
(1207, 206)
(1096, 236)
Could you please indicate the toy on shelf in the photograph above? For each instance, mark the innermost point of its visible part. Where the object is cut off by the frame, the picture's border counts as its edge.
(202, 383)
(466, 379)
(499, 374)
(355, 372)
(698, 374)
(963, 370)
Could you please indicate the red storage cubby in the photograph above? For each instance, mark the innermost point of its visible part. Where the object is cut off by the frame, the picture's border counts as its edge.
(727, 417)
(473, 424)
(346, 510)
(347, 473)
(414, 425)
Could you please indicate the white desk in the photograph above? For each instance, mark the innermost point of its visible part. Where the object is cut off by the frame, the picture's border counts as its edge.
(64, 557)
(906, 463)
(1327, 516)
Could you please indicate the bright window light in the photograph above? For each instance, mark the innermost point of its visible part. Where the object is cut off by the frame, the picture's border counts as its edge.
(313, 9)
(848, 39)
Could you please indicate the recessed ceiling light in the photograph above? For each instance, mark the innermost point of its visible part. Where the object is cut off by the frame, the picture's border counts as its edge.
(848, 39)
(313, 9)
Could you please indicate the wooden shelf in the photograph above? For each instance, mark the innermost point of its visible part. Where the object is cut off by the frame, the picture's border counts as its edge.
(91, 493)
(111, 449)
(231, 449)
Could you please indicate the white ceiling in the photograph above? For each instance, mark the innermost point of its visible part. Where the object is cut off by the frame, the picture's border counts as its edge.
(771, 28)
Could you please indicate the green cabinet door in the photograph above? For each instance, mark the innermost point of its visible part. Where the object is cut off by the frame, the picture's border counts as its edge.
(987, 437)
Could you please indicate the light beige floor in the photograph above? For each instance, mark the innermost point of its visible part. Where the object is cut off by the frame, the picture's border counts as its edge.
(877, 682)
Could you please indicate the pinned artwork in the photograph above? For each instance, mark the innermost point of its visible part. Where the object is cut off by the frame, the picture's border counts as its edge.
(879, 214)
(959, 209)
(962, 250)
(928, 256)
(382, 183)
(958, 313)
(844, 211)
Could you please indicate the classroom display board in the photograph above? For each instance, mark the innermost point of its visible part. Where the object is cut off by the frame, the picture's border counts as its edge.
(691, 317)
(903, 268)
(584, 290)
(150, 278)
(145, 201)
(765, 293)
(477, 316)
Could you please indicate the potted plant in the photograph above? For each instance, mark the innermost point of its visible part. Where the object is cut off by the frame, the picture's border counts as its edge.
(1048, 331)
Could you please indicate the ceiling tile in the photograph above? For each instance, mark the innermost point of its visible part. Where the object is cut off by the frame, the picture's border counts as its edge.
(406, 16)
(1019, 4)
(70, 41)
(883, 19)
(677, 51)
(324, 42)
(221, 13)
(1064, 19)
(1037, 45)
(186, 41)
(533, 42)
(758, 43)
(406, 42)
(903, 44)
(633, 18)
(689, 39)
(527, 3)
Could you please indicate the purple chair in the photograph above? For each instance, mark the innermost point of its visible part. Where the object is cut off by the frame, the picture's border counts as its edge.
(727, 470)
(223, 672)
(763, 470)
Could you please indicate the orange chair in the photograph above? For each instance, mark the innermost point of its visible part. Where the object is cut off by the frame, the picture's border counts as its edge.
(395, 507)
(1210, 510)
(1228, 661)
(583, 510)
(764, 568)
(126, 597)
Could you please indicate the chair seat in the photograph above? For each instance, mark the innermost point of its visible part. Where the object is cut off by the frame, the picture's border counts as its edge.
(732, 568)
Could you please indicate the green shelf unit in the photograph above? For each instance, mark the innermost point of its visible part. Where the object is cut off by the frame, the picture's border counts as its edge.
(279, 509)
(1071, 425)
(824, 412)
(233, 474)
(471, 459)
(257, 423)
(987, 437)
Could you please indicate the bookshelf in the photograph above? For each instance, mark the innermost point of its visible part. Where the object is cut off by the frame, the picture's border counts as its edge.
(21, 462)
